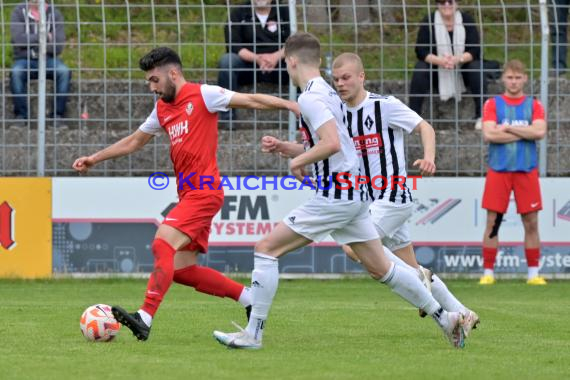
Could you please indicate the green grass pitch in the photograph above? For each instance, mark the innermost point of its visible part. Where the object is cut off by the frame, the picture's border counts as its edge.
(332, 329)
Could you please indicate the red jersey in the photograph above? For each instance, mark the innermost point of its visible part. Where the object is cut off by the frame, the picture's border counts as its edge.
(191, 122)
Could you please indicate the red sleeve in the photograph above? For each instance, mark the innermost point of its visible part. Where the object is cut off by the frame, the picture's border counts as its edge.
(537, 110)
(490, 110)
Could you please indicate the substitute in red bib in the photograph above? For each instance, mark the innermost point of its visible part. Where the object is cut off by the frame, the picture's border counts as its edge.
(512, 123)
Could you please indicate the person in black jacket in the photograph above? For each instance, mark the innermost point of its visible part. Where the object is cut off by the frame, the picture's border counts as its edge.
(255, 36)
(448, 50)
(24, 29)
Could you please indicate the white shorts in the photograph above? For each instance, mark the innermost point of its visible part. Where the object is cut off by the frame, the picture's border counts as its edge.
(390, 222)
(346, 221)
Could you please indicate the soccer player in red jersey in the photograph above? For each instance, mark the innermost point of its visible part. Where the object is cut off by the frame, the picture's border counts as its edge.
(512, 123)
(187, 112)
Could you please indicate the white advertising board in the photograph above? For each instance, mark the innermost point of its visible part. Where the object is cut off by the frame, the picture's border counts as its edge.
(447, 210)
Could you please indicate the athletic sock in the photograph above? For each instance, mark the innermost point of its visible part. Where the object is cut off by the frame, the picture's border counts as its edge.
(445, 298)
(264, 282)
(532, 260)
(440, 317)
(209, 281)
(407, 285)
(161, 277)
(489, 256)
(245, 296)
(489, 272)
(532, 272)
(146, 317)
(398, 261)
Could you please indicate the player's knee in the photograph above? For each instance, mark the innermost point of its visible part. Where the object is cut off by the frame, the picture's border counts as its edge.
(260, 246)
(530, 226)
(161, 248)
(377, 271)
(264, 246)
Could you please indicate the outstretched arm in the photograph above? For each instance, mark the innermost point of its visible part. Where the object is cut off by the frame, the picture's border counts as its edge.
(262, 102)
(123, 147)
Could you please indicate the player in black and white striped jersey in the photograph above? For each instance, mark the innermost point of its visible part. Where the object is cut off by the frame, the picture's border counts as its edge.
(336, 212)
(377, 125)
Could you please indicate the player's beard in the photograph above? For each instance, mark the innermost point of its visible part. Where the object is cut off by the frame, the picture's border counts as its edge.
(169, 92)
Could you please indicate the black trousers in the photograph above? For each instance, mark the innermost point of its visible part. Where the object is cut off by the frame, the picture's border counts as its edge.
(421, 86)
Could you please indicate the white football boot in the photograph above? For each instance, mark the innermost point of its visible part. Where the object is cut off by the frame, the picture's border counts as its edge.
(240, 339)
(470, 322)
(453, 329)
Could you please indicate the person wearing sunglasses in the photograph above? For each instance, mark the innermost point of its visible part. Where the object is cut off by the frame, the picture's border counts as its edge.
(448, 51)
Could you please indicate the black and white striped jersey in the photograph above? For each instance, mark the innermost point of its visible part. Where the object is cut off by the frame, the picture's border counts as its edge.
(377, 127)
(320, 103)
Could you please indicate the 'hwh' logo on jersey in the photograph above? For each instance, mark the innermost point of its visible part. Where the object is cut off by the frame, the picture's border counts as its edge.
(178, 130)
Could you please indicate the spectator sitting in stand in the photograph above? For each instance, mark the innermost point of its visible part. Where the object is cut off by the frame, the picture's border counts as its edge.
(255, 36)
(24, 29)
(448, 50)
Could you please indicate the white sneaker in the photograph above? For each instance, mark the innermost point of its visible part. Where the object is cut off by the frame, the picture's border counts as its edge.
(453, 329)
(240, 339)
(470, 322)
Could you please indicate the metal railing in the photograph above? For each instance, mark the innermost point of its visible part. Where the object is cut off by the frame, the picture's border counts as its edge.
(108, 99)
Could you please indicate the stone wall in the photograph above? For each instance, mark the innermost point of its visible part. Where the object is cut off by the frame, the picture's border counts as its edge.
(460, 148)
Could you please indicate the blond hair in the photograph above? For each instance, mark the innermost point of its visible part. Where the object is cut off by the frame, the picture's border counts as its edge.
(514, 65)
(345, 58)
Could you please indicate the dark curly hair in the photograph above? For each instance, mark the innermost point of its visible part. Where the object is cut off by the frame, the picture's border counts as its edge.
(159, 57)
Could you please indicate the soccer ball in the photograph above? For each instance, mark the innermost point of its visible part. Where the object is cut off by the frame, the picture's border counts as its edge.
(98, 324)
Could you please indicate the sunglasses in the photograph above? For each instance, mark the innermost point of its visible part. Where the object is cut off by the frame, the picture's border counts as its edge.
(443, 2)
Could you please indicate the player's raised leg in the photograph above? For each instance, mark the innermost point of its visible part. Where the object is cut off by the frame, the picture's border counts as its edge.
(264, 283)
(407, 285)
(167, 241)
(207, 280)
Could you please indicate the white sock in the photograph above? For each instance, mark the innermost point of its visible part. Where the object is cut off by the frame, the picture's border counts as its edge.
(401, 263)
(407, 285)
(440, 317)
(264, 282)
(245, 296)
(532, 272)
(442, 295)
(489, 272)
(146, 317)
